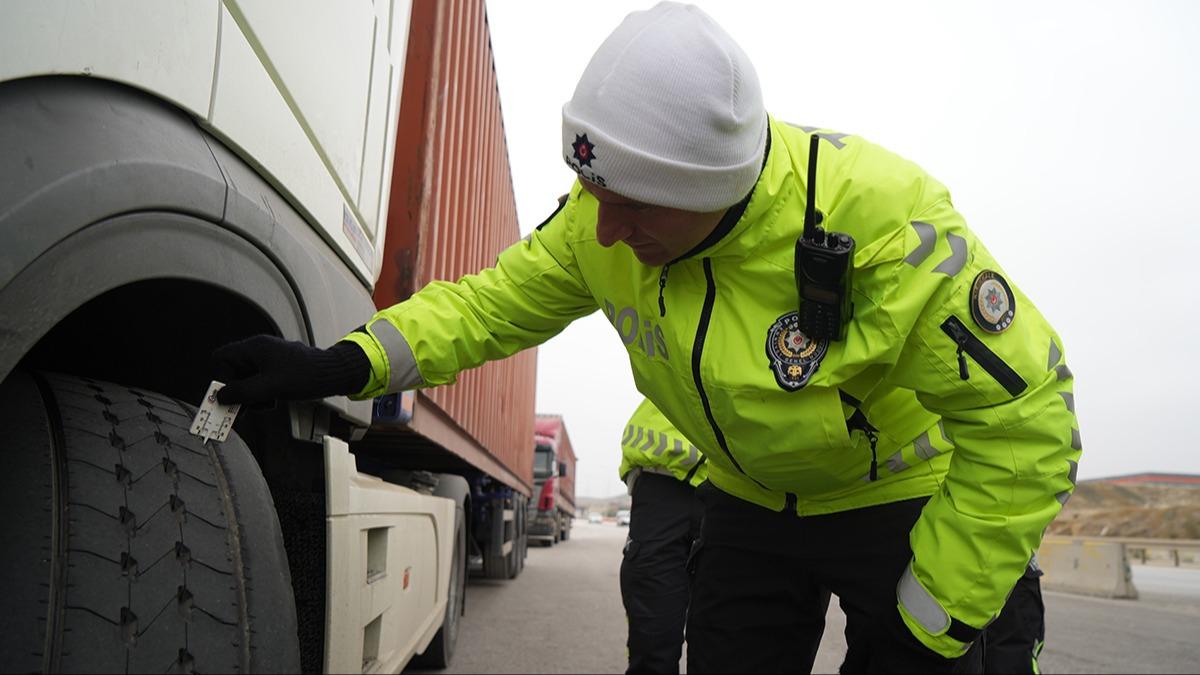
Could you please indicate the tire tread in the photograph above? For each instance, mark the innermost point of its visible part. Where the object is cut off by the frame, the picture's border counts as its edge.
(177, 607)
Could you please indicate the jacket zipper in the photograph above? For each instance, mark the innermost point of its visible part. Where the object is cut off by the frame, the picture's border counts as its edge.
(992, 364)
(662, 287)
(710, 298)
(858, 420)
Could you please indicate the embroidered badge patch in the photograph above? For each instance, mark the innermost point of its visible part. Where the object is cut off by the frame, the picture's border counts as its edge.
(584, 150)
(993, 304)
(794, 357)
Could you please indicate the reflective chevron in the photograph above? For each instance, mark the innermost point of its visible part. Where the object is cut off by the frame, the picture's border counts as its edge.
(958, 256)
(928, 237)
(649, 440)
(1055, 355)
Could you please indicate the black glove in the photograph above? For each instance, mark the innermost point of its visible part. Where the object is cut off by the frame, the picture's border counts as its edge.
(890, 647)
(265, 368)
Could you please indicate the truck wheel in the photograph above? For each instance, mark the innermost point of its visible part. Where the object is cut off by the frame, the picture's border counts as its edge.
(524, 536)
(512, 561)
(566, 533)
(503, 565)
(495, 565)
(441, 649)
(520, 543)
(137, 547)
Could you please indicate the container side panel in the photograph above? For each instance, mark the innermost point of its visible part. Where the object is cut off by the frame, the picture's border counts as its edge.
(567, 454)
(411, 179)
(453, 211)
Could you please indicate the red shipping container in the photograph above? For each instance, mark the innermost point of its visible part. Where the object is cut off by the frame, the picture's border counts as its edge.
(452, 212)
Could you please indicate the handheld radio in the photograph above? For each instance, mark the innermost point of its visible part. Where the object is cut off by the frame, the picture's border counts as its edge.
(824, 269)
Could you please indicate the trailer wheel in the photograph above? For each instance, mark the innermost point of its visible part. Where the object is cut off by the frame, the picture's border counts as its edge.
(520, 540)
(525, 536)
(503, 565)
(512, 562)
(137, 547)
(441, 650)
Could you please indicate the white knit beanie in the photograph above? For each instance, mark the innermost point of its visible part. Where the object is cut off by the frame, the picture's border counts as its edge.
(668, 112)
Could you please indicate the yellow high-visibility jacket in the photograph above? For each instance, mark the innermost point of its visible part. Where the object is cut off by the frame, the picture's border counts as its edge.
(949, 377)
(651, 443)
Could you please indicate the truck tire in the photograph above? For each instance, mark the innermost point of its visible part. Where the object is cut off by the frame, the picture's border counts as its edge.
(441, 650)
(504, 565)
(566, 532)
(141, 548)
(520, 540)
(495, 565)
(524, 536)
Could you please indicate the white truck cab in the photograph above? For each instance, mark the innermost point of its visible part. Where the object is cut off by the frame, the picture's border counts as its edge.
(175, 176)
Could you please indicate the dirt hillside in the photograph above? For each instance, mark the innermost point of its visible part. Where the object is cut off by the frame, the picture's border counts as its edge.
(1096, 509)
(1157, 511)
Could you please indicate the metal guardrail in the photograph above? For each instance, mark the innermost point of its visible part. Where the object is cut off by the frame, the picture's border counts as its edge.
(1147, 551)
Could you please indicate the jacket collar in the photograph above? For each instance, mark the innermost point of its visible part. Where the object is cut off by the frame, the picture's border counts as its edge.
(751, 221)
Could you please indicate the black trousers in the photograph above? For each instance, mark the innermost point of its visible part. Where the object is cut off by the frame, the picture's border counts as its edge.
(1012, 643)
(761, 584)
(664, 521)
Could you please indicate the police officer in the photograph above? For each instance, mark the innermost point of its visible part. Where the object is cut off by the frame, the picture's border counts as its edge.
(909, 467)
(662, 470)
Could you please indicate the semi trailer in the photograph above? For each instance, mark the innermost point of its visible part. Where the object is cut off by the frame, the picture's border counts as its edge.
(175, 176)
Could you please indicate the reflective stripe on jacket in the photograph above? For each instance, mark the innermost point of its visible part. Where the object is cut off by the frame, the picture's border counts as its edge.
(651, 443)
(981, 420)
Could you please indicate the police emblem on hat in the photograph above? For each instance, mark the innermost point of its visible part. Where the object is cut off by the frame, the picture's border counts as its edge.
(794, 356)
(993, 304)
(584, 150)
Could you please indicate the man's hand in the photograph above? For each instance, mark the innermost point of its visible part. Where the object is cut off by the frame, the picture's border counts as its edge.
(264, 368)
(890, 647)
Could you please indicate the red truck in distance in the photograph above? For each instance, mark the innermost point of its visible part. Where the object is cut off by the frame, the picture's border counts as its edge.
(551, 514)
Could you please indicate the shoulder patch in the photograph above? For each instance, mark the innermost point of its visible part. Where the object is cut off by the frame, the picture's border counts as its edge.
(993, 305)
(794, 356)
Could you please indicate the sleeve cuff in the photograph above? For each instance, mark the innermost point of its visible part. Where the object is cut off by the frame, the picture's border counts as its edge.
(377, 381)
(942, 644)
(928, 621)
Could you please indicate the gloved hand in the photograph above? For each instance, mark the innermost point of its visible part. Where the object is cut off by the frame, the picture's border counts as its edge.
(890, 647)
(264, 368)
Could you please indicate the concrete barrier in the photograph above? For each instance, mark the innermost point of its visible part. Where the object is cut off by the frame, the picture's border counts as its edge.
(1086, 566)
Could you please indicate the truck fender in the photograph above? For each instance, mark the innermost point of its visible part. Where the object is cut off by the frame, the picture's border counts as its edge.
(112, 185)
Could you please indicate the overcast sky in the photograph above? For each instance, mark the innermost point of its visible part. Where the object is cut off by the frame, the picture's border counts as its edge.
(1066, 132)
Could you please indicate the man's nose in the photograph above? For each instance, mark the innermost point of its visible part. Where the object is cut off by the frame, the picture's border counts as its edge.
(611, 228)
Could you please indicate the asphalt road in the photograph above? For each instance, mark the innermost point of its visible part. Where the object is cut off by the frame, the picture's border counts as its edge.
(564, 615)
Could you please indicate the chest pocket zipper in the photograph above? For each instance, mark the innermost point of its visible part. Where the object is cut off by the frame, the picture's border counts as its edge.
(992, 364)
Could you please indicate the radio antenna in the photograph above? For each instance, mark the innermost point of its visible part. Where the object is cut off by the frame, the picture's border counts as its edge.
(810, 209)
